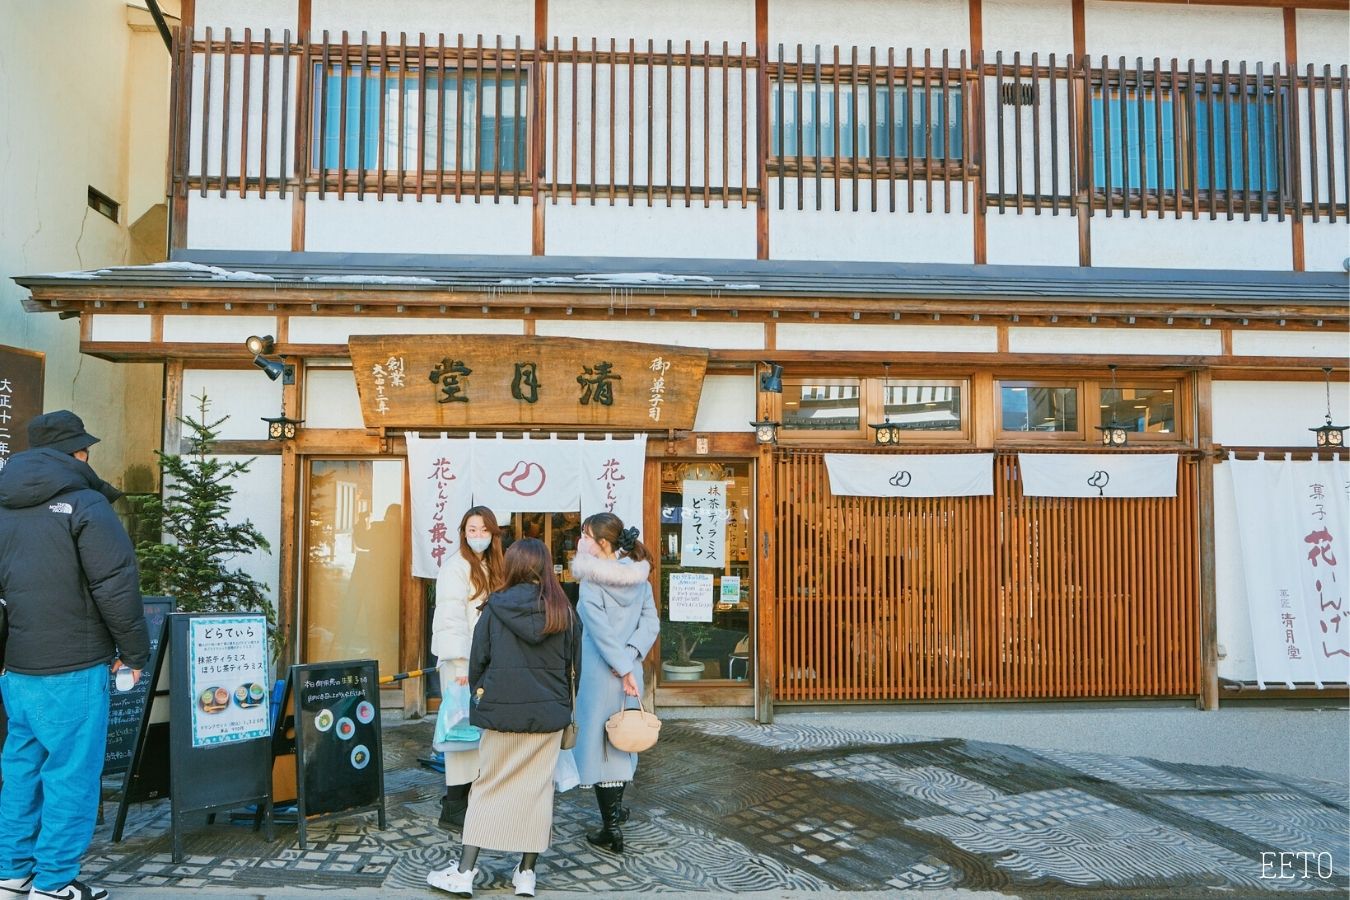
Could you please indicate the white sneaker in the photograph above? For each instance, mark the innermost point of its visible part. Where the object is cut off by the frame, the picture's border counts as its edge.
(524, 882)
(453, 880)
(76, 890)
(15, 887)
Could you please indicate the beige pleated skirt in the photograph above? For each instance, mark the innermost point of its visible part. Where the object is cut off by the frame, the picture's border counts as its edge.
(511, 801)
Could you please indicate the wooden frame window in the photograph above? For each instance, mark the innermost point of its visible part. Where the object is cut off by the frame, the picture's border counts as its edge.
(824, 409)
(1150, 410)
(1039, 410)
(925, 409)
(478, 116)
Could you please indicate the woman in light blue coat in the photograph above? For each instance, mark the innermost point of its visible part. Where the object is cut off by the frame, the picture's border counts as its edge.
(620, 625)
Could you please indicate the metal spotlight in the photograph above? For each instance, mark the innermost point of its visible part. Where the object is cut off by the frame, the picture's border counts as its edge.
(771, 382)
(260, 345)
(275, 368)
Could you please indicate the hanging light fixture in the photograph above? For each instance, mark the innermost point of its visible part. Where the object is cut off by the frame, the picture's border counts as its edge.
(766, 431)
(1114, 434)
(1329, 435)
(886, 434)
(282, 427)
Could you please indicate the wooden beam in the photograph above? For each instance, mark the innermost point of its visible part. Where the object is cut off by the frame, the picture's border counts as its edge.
(762, 128)
(1082, 191)
(1336, 5)
(1291, 62)
(1209, 629)
(304, 74)
(978, 218)
(763, 550)
(539, 134)
(288, 568)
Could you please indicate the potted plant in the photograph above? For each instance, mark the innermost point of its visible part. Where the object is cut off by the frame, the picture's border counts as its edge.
(679, 640)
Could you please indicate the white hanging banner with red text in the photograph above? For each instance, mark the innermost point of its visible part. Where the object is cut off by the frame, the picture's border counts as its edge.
(611, 478)
(513, 475)
(440, 479)
(1295, 531)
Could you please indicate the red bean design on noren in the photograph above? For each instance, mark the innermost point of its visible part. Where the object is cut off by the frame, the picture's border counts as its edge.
(524, 478)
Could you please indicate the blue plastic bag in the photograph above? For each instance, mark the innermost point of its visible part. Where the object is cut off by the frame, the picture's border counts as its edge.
(453, 731)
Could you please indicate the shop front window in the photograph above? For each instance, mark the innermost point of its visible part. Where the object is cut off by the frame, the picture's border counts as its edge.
(827, 406)
(1038, 408)
(707, 577)
(920, 406)
(1142, 410)
(354, 536)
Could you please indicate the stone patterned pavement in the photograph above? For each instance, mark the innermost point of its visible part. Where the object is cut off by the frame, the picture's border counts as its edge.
(728, 806)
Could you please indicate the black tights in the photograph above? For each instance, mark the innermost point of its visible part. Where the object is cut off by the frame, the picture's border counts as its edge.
(468, 857)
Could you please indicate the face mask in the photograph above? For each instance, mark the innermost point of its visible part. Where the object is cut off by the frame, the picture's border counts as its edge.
(479, 544)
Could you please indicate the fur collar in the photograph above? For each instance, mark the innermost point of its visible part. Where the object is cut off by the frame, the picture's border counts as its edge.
(609, 572)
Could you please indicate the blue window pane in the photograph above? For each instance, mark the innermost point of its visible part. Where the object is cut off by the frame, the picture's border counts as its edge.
(477, 141)
(902, 118)
(1221, 122)
(1126, 143)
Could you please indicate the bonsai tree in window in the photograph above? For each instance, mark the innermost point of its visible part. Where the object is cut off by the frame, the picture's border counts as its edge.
(192, 560)
(679, 640)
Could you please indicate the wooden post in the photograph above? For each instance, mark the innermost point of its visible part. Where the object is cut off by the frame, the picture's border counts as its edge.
(288, 612)
(1295, 152)
(1209, 630)
(412, 621)
(1081, 113)
(762, 128)
(766, 627)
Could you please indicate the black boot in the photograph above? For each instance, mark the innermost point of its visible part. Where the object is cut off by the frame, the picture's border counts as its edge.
(453, 806)
(610, 836)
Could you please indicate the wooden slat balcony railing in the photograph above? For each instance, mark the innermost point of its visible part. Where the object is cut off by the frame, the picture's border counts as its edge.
(698, 122)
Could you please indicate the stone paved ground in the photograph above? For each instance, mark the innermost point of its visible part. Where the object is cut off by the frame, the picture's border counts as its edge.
(728, 806)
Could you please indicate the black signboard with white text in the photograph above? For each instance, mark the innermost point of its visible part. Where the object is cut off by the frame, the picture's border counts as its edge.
(339, 761)
(128, 711)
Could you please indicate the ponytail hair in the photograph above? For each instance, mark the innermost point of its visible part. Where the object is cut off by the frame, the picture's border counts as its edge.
(609, 527)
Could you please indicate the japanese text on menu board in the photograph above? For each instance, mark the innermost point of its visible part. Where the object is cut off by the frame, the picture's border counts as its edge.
(703, 535)
(229, 679)
(690, 598)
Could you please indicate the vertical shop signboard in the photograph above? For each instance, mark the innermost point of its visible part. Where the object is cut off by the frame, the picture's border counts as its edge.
(20, 397)
(338, 755)
(703, 532)
(129, 711)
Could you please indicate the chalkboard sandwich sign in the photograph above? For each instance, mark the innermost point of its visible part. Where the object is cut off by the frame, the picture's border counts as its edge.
(338, 755)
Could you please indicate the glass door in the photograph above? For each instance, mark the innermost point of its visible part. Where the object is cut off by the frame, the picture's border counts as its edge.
(354, 536)
(707, 622)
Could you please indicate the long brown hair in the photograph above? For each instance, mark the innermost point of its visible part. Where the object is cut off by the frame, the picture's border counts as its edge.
(624, 540)
(487, 571)
(529, 562)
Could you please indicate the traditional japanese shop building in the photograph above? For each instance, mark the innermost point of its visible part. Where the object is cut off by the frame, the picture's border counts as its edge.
(948, 232)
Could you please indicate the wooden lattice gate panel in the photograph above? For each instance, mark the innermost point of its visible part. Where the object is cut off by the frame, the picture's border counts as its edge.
(983, 598)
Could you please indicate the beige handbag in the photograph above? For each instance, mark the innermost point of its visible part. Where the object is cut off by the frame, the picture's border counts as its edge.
(633, 730)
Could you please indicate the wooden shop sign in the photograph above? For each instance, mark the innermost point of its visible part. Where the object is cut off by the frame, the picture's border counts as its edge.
(463, 381)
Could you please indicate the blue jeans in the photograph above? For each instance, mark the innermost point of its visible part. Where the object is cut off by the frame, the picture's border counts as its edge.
(52, 764)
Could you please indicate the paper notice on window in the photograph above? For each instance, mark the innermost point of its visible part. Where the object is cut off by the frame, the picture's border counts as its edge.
(691, 597)
(729, 593)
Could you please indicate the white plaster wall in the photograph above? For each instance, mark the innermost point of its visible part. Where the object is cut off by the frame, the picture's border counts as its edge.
(241, 14)
(726, 404)
(256, 500)
(898, 236)
(1116, 341)
(659, 231)
(1044, 27)
(730, 20)
(1323, 37)
(225, 329)
(1238, 659)
(120, 328)
(907, 338)
(1291, 343)
(331, 400)
(234, 224)
(375, 226)
(1191, 244)
(917, 23)
(1031, 240)
(686, 162)
(713, 335)
(1168, 30)
(1274, 414)
(147, 125)
(244, 395)
(70, 74)
(1326, 247)
(470, 17)
(337, 329)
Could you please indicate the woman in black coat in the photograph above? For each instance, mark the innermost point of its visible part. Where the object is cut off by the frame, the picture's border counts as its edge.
(523, 671)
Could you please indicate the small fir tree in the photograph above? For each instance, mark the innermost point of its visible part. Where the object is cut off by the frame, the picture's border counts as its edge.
(192, 564)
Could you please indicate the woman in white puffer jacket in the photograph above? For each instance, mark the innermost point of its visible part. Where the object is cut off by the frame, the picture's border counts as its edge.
(462, 587)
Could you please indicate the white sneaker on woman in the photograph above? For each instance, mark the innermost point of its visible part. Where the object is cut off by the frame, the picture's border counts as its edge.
(453, 880)
(524, 882)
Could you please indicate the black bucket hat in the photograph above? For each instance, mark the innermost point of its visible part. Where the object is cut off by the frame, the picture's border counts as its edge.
(61, 430)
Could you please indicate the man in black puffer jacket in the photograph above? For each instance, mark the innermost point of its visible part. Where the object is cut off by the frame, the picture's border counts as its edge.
(69, 579)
